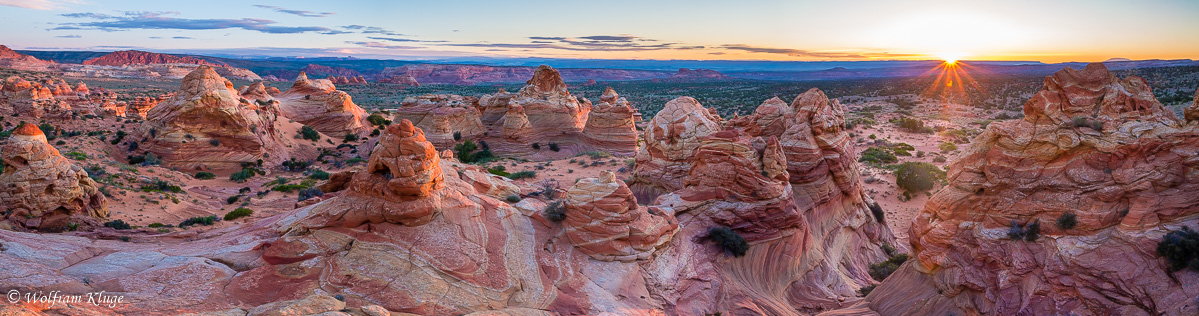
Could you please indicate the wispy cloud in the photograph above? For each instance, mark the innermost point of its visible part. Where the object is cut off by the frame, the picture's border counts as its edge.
(162, 20)
(69, 36)
(371, 30)
(807, 53)
(303, 13)
(38, 4)
(622, 42)
(382, 45)
(394, 39)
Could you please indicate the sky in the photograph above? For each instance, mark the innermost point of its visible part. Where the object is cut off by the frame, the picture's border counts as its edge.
(1040, 30)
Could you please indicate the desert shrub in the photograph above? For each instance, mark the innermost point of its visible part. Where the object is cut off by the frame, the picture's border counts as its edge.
(1180, 248)
(729, 240)
(549, 188)
(902, 149)
(1015, 231)
(555, 211)
(457, 136)
(199, 220)
(1067, 220)
(513, 198)
(596, 154)
(377, 120)
(294, 165)
(877, 211)
(947, 146)
(350, 137)
(916, 177)
(309, 133)
(288, 188)
(159, 185)
(232, 199)
(537, 146)
(238, 213)
(865, 290)
(120, 136)
(914, 125)
(118, 225)
(318, 174)
(76, 155)
(877, 156)
(242, 176)
(214, 142)
(554, 147)
(1032, 231)
(205, 175)
(880, 271)
(522, 175)
(310, 193)
(466, 152)
(157, 225)
(939, 159)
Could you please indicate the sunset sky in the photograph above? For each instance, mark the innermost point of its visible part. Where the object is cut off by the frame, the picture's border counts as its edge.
(1049, 31)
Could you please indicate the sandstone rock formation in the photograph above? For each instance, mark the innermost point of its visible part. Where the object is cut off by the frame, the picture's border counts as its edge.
(206, 126)
(1192, 112)
(403, 79)
(551, 109)
(347, 80)
(40, 189)
(140, 106)
(477, 74)
(19, 61)
(604, 221)
(610, 125)
(34, 99)
(670, 140)
(319, 104)
(441, 116)
(257, 92)
(688, 75)
(1129, 178)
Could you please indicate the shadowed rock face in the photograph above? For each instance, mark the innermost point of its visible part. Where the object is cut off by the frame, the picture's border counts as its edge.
(1192, 112)
(1129, 180)
(41, 189)
(182, 129)
(319, 104)
(604, 221)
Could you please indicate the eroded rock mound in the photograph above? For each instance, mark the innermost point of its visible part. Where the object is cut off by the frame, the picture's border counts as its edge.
(604, 221)
(206, 126)
(134, 57)
(441, 116)
(610, 124)
(1127, 179)
(319, 104)
(670, 139)
(40, 189)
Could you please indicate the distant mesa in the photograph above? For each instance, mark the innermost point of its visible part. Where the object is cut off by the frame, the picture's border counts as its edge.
(135, 57)
(685, 74)
(1117, 59)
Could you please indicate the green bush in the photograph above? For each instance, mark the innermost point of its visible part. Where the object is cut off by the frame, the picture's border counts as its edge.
(242, 176)
(118, 225)
(350, 137)
(76, 155)
(204, 175)
(1180, 248)
(377, 120)
(729, 240)
(199, 220)
(238, 213)
(877, 156)
(554, 147)
(513, 198)
(916, 177)
(522, 175)
(457, 136)
(318, 174)
(877, 211)
(310, 193)
(309, 133)
(947, 147)
(880, 271)
(288, 188)
(232, 199)
(159, 185)
(914, 125)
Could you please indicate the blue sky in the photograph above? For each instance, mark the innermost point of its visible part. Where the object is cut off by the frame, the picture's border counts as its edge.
(762, 30)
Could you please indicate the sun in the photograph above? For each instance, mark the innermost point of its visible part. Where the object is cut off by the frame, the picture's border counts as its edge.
(950, 57)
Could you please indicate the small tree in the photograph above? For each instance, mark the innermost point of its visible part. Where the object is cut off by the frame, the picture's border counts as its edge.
(1067, 220)
(555, 211)
(1180, 248)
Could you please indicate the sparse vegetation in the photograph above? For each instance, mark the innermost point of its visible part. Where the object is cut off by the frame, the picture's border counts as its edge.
(522, 175)
(1067, 220)
(378, 120)
(469, 152)
(205, 175)
(729, 240)
(238, 213)
(118, 225)
(877, 156)
(880, 271)
(513, 198)
(242, 176)
(555, 211)
(877, 211)
(914, 177)
(199, 220)
(309, 193)
(309, 133)
(554, 147)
